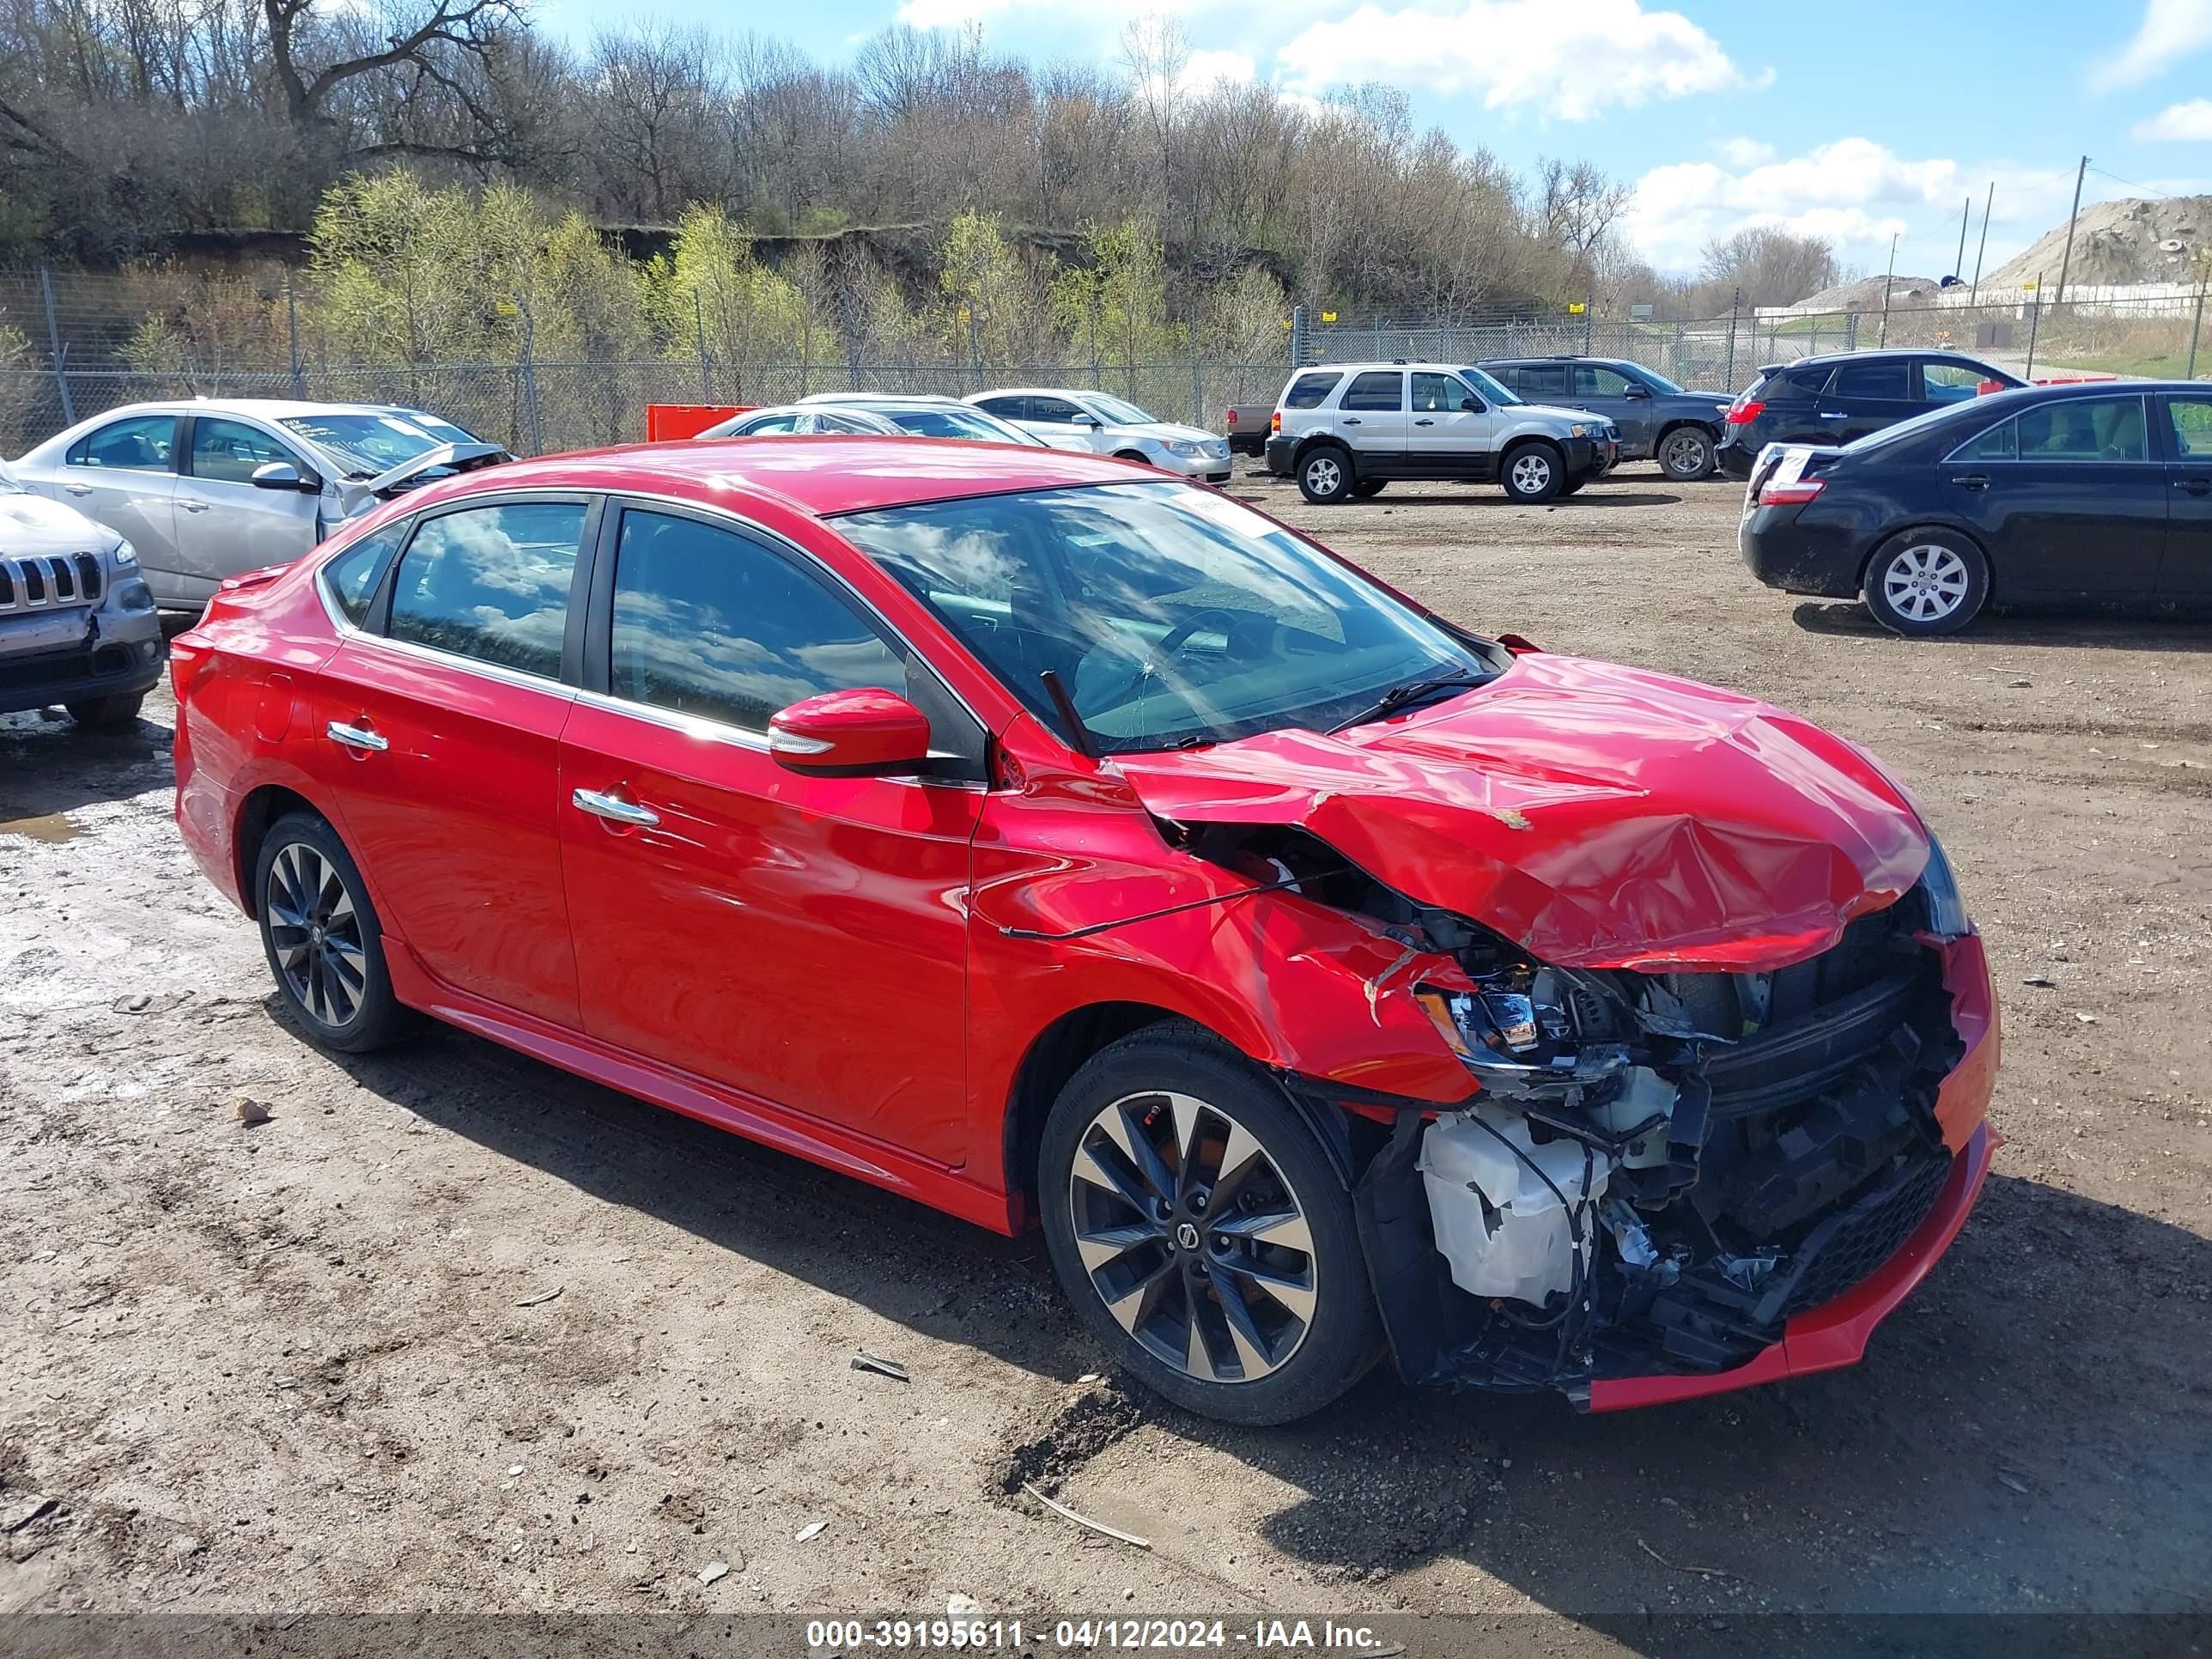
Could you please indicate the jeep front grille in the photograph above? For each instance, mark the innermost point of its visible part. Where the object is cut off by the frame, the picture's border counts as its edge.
(48, 582)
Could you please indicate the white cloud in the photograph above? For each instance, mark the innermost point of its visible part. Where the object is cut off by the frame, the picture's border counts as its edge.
(2170, 29)
(1746, 152)
(2188, 121)
(1207, 69)
(1568, 60)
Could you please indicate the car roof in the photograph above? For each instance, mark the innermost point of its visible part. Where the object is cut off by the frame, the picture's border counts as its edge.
(818, 476)
(268, 408)
(1883, 354)
(818, 398)
(1031, 391)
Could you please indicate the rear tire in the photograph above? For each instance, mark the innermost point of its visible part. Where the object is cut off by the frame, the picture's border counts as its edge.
(321, 937)
(1685, 454)
(1922, 583)
(107, 714)
(1250, 1304)
(1325, 474)
(1571, 487)
(1532, 473)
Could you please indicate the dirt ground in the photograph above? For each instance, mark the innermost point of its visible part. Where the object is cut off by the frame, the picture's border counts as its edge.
(455, 1331)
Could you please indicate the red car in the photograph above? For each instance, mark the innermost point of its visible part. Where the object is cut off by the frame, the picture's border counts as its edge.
(1054, 842)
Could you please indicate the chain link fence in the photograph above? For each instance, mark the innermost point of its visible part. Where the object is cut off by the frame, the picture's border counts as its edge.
(76, 345)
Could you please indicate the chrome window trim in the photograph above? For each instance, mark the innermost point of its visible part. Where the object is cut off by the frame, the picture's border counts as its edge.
(493, 670)
(1956, 457)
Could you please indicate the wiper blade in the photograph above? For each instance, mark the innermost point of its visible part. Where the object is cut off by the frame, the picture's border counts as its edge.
(1404, 697)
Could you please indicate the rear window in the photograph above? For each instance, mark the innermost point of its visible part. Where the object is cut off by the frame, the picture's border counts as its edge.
(1310, 391)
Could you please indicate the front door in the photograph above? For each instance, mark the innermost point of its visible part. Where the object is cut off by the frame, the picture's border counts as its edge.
(1604, 391)
(1445, 438)
(441, 722)
(123, 475)
(226, 524)
(800, 939)
(1371, 417)
(1062, 421)
(2067, 499)
(2186, 570)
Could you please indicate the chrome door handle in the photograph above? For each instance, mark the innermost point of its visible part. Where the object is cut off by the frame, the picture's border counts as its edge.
(2195, 486)
(614, 808)
(1833, 415)
(1972, 480)
(193, 506)
(78, 490)
(356, 736)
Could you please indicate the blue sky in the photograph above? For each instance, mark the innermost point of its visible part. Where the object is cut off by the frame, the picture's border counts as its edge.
(1851, 123)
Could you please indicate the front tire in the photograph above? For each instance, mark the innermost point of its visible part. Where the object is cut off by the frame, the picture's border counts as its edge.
(1367, 489)
(1922, 583)
(1532, 473)
(1685, 454)
(1325, 474)
(321, 937)
(1201, 1232)
(107, 714)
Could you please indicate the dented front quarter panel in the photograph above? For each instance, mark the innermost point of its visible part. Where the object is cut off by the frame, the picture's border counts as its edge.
(1601, 817)
(1296, 985)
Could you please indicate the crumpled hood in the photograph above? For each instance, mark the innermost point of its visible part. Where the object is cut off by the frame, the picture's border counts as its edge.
(32, 523)
(1602, 817)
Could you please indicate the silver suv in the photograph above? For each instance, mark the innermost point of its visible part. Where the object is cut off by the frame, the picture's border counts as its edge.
(77, 624)
(1347, 429)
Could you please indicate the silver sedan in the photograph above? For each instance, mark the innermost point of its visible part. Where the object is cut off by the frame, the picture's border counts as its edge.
(205, 487)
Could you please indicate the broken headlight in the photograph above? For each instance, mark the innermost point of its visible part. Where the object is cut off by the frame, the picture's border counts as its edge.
(1527, 1024)
(1946, 911)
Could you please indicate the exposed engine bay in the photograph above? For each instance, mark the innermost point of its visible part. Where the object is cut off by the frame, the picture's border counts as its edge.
(1658, 1169)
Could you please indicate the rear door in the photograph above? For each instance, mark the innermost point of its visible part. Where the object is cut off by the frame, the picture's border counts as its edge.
(1371, 417)
(801, 939)
(1445, 439)
(2067, 499)
(124, 475)
(2186, 426)
(1546, 383)
(1863, 397)
(443, 718)
(1063, 422)
(225, 523)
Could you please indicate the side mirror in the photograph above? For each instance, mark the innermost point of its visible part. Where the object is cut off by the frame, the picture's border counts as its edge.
(1470, 405)
(283, 474)
(1636, 389)
(851, 734)
(1087, 420)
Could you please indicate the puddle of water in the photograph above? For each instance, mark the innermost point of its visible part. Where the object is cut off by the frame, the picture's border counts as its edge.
(52, 828)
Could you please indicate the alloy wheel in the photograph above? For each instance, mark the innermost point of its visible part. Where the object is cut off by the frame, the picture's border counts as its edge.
(1323, 476)
(1925, 583)
(314, 928)
(1685, 455)
(1192, 1237)
(1531, 474)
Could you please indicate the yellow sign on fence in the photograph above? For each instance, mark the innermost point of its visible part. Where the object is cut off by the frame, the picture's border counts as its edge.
(1576, 309)
(1328, 316)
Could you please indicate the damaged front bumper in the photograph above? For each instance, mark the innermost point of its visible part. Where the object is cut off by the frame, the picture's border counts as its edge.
(1853, 1139)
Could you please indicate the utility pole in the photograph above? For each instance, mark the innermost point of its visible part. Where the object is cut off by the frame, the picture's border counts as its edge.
(2066, 259)
(1976, 292)
(1888, 282)
(1965, 214)
(2034, 321)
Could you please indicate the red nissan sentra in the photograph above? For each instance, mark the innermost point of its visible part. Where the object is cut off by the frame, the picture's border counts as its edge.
(1051, 840)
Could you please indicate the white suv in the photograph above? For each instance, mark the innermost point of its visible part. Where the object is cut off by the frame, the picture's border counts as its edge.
(1345, 429)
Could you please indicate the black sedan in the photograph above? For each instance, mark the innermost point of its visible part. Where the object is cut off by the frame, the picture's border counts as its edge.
(1843, 396)
(2063, 495)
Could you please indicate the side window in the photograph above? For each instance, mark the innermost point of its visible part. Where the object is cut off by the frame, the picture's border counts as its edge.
(1310, 391)
(2084, 430)
(1438, 393)
(1007, 409)
(350, 577)
(1592, 381)
(1378, 389)
(1542, 380)
(1876, 382)
(2192, 427)
(1949, 383)
(1058, 410)
(2000, 443)
(229, 451)
(1507, 374)
(767, 424)
(707, 623)
(145, 443)
(1802, 382)
(491, 583)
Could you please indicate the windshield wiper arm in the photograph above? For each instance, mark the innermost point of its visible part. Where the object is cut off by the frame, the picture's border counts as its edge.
(1402, 697)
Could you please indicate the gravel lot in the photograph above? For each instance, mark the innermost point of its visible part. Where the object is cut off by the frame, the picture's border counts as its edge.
(455, 1331)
